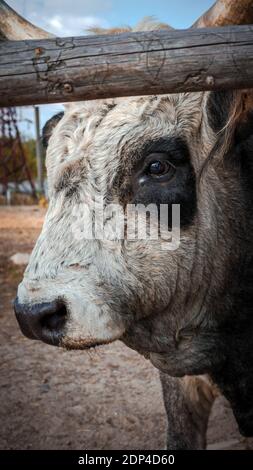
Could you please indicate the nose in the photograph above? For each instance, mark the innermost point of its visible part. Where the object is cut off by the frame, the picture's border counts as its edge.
(44, 321)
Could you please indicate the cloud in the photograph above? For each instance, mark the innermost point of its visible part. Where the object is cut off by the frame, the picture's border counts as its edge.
(72, 25)
(63, 17)
(56, 23)
(50, 7)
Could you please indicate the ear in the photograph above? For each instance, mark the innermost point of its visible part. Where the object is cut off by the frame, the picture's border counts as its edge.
(228, 106)
(49, 127)
(230, 115)
(244, 128)
(243, 142)
(219, 108)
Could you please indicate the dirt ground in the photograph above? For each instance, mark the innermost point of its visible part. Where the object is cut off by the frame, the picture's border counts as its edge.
(54, 399)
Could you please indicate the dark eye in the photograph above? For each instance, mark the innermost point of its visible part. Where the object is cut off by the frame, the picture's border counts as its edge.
(159, 168)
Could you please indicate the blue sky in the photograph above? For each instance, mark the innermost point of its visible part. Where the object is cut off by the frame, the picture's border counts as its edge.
(66, 18)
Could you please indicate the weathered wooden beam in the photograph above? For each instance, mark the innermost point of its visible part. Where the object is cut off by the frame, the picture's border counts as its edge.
(157, 62)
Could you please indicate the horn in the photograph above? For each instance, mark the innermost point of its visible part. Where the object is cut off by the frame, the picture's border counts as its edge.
(227, 12)
(15, 27)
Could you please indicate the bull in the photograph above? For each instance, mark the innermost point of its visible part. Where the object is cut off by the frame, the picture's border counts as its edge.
(189, 310)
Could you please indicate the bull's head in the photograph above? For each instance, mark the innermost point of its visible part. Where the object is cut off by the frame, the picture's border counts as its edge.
(176, 149)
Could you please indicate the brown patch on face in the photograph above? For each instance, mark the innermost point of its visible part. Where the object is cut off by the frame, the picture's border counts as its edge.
(80, 343)
(78, 267)
(72, 175)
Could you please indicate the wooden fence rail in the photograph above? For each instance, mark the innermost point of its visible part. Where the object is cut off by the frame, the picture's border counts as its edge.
(80, 68)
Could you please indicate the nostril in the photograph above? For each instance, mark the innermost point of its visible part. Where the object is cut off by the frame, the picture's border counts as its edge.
(44, 321)
(55, 320)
